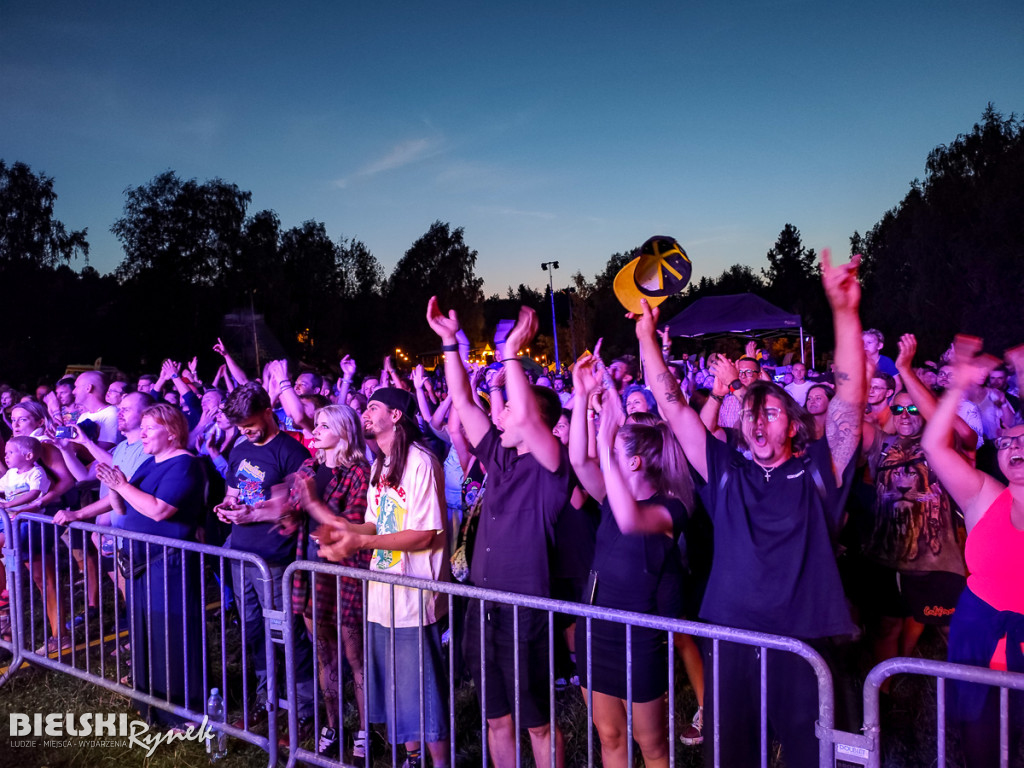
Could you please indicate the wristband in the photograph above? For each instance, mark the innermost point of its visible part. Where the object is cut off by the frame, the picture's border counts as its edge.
(449, 347)
(735, 385)
(719, 398)
(175, 376)
(511, 360)
(347, 380)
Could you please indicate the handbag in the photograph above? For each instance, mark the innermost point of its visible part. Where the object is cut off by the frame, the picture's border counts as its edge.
(124, 563)
(466, 537)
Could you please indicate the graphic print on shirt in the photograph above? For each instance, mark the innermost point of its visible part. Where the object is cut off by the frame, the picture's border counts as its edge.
(913, 526)
(390, 519)
(249, 480)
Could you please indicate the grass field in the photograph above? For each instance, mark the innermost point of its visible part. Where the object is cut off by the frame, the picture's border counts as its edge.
(908, 738)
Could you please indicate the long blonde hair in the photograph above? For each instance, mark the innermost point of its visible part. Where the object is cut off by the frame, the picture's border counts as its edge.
(663, 460)
(344, 422)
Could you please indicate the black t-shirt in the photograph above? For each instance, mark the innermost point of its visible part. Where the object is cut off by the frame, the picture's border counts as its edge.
(774, 568)
(517, 524)
(254, 470)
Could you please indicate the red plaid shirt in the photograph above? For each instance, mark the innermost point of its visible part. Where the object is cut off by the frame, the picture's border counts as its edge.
(345, 495)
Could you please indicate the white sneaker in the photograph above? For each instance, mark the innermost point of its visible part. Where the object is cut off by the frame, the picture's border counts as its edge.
(692, 734)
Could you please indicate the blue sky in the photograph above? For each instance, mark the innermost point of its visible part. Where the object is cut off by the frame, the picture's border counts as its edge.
(548, 130)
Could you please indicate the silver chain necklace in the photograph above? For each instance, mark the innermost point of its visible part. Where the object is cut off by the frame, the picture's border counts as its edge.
(768, 473)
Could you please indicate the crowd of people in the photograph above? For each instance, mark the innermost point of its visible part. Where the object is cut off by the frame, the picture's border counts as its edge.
(853, 507)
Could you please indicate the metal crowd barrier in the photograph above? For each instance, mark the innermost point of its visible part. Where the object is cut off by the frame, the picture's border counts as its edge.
(715, 634)
(941, 671)
(41, 547)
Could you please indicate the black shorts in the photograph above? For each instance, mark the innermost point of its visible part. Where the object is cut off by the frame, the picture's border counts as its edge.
(497, 676)
(930, 597)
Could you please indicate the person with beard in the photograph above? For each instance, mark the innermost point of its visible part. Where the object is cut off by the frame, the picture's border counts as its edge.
(776, 519)
(257, 486)
(405, 530)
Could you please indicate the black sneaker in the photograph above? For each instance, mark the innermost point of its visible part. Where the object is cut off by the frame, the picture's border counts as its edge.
(328, 742)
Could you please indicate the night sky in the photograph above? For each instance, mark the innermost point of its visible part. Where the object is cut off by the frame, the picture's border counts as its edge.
(549, 130)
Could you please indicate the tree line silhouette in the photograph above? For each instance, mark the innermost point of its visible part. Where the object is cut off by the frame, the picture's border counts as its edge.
(946, 258)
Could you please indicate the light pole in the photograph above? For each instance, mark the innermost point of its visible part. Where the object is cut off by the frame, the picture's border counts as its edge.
(570, 293)
(550, 267)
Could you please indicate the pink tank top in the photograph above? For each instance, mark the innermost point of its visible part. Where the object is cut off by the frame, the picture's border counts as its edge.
(995, 558)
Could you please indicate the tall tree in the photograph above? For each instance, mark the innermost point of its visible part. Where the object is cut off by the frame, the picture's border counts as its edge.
(438, 264)
(28, 231)
(947, 258)
(181, 231)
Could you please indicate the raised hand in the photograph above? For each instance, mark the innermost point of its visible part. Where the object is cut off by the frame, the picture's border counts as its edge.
(445, 326)
(724, 371)
(970, 367)
(522, 332)
(750, 350)
(646, 320)
(348, 367)
(219, 348)
(584, 380)
(169, 369)
(840, 281)
(908, 348)
(419, 376)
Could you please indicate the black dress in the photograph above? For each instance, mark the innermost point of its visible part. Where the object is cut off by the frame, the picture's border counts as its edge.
(641, 573)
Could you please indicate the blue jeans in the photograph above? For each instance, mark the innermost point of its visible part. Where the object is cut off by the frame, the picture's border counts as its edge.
(405, 726)
(249, 599)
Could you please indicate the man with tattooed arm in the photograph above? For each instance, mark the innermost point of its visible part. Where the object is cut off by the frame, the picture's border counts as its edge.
(776, 519)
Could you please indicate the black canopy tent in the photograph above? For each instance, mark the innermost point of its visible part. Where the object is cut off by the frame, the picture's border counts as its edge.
(741, 314)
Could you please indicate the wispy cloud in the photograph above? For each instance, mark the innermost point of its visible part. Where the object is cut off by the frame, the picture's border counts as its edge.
(402, 154)
(501, 210)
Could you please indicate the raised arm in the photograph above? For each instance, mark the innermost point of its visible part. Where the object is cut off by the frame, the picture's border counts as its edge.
(474, 421)
(348, 372)
(277, 373)
(845, 419)
(683, 420)
(587, 467)
(724, 371)
(972, 489)
(233, 368)
(522, 403)
(632, 516)
(923, 397)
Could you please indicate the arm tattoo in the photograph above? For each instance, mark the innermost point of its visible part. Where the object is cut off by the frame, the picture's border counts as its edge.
(672, 393)
(842, 376)
(842, 430)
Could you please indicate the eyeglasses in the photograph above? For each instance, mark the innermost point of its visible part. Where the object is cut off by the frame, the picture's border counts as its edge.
(770, 414)
(913, 410)
(1002, 443)
(746, 374)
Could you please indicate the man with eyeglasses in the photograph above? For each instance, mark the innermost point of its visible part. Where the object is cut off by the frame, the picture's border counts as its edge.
(881, 388)
(748, 370)
(776, 520)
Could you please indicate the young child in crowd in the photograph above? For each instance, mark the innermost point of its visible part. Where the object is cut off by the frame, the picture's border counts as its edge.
(25, 481)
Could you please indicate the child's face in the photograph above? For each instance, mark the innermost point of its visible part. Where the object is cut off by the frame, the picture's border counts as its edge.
(16, 458)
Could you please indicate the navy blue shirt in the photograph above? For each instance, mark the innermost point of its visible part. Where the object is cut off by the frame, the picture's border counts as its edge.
(774, 568)
(254, 470)
(178, 481)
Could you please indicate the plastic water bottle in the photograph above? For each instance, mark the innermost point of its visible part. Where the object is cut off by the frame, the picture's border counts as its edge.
(217, 744)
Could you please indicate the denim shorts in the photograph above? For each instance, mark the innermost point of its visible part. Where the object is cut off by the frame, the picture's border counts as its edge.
(405, 726)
